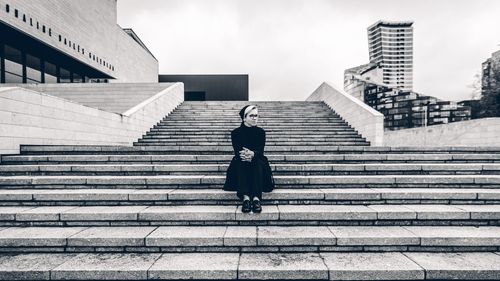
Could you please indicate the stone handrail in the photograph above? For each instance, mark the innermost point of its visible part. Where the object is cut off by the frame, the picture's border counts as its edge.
(30, 117)
(366, 120)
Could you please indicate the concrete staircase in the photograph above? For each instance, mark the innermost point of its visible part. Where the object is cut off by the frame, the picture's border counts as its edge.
(342, 210)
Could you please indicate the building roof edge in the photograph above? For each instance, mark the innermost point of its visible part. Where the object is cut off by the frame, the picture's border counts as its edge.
(136, 38)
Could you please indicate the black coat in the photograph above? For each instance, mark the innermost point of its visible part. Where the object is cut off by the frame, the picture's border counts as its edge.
(255, 176)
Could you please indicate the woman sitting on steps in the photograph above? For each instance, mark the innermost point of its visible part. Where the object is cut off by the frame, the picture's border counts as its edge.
(249, 173)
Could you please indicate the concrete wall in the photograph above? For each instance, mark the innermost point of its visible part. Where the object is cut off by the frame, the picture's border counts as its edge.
(91, 24)
(29, 117)
(478, 132)
(366, 120)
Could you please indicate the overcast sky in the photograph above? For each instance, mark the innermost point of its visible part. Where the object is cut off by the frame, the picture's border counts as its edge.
(289, 47)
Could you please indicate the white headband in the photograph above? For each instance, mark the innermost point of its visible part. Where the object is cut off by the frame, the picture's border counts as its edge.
(248, 109)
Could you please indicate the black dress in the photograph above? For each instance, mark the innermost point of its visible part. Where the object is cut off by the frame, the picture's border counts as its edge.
(249, 178)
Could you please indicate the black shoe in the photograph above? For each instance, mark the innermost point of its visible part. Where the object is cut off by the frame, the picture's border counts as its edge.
(246, 207)
(256, 207)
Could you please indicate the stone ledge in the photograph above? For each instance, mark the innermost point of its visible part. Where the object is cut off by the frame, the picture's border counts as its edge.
(211, 237)
(208, 196)
(270, 213)
(284, 266)
(393, 180)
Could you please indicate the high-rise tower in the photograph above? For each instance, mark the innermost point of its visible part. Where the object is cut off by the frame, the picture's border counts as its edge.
(391, 47)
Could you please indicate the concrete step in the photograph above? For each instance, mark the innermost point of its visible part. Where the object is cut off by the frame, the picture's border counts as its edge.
(227, 138)
(267, 128)
(230, 127)
(283, 215)
(269, 239)
(216, 181)
(236, 119)
(238, 104)
(293, 158)
(273, 139)
(284, 134)
(300, 110)
(278, 169)
(273, 136)
(214, 147)
(252, 266)
(282, 196)
(304, 132)
(262, 120)
(263, 105)
(357, 150)
(236, 123)
(228, 147)
(269, 142)
(276, 106)
(233, 114)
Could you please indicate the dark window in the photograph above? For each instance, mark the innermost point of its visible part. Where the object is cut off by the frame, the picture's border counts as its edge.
(37, 25)
(33, 69)
(50, 31)
(60, 38)
(50, 72)
(74, 46)
(7, 8)
(31, 21)
(64, 75)
(65, 41)
(78, 48)
(69, 43)
(43, 29)
(77, 78)
(83, 51)
(24, 17)
(1, 65)
(16, 13)
(90, 55)
(13, 65)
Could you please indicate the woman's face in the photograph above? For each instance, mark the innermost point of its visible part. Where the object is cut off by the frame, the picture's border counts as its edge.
(252, 118)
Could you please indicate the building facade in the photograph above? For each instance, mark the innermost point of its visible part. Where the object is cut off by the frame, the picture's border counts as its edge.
(233, 87)
(489, 68)
(401, 109)
(356, 79)
(490, 86)
(390, 46)
(407, 109)
(386, 83)
(55, 41)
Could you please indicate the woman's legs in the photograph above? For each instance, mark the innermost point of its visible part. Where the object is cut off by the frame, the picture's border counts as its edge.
(250, 181)
(257, 183)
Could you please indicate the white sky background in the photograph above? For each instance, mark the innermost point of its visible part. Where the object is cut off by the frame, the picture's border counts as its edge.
(289, 47)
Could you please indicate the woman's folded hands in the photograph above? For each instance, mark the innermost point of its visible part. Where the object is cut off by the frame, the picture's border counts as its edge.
(246, 154)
